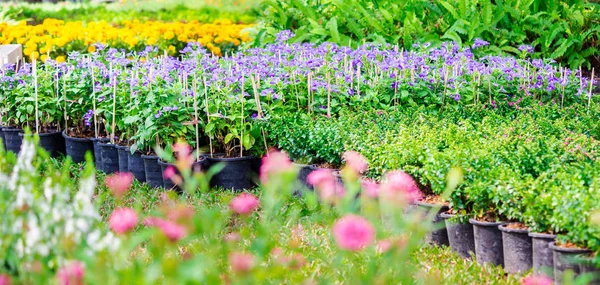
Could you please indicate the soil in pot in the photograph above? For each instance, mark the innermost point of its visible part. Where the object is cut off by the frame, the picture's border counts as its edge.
(517, 248)
(52, 142)
(76, 148)
(488, 242)
(110, 158)
(460, 235)
(154, 176)
(13, 139)
(135, 165)
(97, 153)
(123, 153)
(542, 254)
(439, 235)
(237, 174)
(567, 258)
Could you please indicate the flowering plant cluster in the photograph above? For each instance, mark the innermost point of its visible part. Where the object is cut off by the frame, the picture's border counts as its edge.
(151, 99)
(245, 237)
(54, 39)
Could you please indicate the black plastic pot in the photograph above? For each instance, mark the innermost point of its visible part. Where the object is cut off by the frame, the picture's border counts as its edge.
(168, 182)
(97, 152)
(488, 242)
(439, 235)
(302, 184)
(517, 248)
(123, 153)
(567, 259)
(53, 143)
(238, 173)
(110, 158)
(592, 272)
(542, 254)
(76, 148)
(154, 176)
(2, 137)
(460, 236)
(135, 165)
(13, 139)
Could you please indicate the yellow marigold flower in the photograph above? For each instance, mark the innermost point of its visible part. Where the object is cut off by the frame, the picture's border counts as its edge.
(43, 58)
(171, 49)
(169, 35)
(60, 59)
(91, 48)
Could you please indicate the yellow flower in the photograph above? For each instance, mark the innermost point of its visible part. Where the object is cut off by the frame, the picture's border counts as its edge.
(60, 59)
(43, 58)
(92, 48)
(171, 49)
(169, 35)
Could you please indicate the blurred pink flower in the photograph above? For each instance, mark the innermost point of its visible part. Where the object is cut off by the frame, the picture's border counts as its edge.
(244, 204)
(182, 149)
(384, 245)
(231, 237)
(169, 172)
(320, 178)
(274, 162)
(400, 187)
(119, 183)
(353, 232)
(536, 280)
(122, 220)
(71, 274)
(241, 262)
(370, 187)
(171, 230)
(5, 279)
(355, 161)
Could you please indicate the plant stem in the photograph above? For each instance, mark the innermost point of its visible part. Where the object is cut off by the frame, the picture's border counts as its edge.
(35, 84)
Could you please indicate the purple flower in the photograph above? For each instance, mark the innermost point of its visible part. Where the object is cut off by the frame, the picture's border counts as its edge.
(157, 115)
(254, 116)
(101, 98)
(456, 97)
(284, 36)
(479, 43)
(87, 118)
(526, 48)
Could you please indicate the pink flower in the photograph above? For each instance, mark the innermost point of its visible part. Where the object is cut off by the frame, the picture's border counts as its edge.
(244, 204)
(122, 220)
(355, 161)
(5, 279)
(274, 162)
(536, 280)
(232, 237)
(119, 183)
(320, 178)
(353, 232)
(171, 230)
(384, 245)
(71, 274)
(169, 172)
(241, 262)
(400, 187)
(370, 187)
(182, 149)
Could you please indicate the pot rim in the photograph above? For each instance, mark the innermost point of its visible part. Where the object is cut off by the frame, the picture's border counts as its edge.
(443, 208)
(231, 159)
(100, 144)
(122, 147)
(541, 235)
(555, 247)
(504, 229)
(485, 224)
(64, 134)
(446, 216)
(42, 134)
(12, 130)
(149, 157)
(100, 139)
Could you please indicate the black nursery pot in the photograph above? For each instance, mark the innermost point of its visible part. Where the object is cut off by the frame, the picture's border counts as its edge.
(439, 235)
(76, 148)
(97, 153)
(135, 165)
(488, 242)
(53, 143)
(588, 268)
(110, 158)
(237, 174)
(542, 254)
(301, 182)
(13, 139)
(517, 247)
(123, 153)
(567, 259)
(460, 236)
(154, 176)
